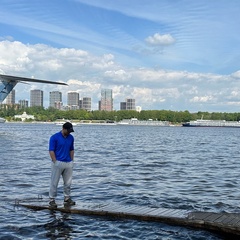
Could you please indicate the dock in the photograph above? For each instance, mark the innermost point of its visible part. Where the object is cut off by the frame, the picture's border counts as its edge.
(221, 223)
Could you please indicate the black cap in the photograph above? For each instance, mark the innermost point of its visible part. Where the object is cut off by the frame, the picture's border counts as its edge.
(68, 126)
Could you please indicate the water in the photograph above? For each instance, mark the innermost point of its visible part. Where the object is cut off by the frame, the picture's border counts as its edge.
(172, 167)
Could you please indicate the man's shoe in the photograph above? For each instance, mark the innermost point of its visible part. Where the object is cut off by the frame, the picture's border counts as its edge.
(69, 202)
(52, 204)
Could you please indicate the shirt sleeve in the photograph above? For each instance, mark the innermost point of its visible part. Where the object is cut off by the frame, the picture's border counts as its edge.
(72, 144)
(52, 143)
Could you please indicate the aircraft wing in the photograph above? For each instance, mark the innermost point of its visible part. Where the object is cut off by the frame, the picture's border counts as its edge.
(7, 83)
(23, 79)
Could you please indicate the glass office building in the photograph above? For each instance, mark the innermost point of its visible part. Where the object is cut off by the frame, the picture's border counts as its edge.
(106, 103)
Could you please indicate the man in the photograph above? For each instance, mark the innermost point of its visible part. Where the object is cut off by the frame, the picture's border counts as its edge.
(61, 150)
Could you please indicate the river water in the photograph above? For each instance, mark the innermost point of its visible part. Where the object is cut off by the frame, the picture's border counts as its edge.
(170, 167)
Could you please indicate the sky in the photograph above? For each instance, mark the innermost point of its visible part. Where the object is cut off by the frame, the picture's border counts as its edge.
(166, 54)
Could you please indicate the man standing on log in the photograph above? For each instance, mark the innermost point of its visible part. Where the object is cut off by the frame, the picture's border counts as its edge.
(61, 150)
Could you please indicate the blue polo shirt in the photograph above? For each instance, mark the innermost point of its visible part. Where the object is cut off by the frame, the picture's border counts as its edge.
(61, 146)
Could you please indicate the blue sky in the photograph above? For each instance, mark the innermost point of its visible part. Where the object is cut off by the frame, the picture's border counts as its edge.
(174, 55)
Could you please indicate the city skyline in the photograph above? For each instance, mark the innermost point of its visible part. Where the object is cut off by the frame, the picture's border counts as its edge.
(173, 55)
(37, 97)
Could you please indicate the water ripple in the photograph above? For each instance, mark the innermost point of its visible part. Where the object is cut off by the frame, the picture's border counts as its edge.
(184, 168)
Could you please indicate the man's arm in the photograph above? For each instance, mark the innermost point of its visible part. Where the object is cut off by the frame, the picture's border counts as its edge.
(52, 155)
(72, 154)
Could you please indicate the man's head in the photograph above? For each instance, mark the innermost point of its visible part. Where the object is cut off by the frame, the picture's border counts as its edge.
(68, 127)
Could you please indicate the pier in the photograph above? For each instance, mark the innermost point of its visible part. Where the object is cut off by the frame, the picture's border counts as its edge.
(221, 223)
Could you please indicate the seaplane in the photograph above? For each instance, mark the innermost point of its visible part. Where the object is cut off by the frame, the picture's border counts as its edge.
(7, 83)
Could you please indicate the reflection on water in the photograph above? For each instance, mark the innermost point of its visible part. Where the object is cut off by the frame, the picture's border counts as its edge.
(172, 167)
(59, 227)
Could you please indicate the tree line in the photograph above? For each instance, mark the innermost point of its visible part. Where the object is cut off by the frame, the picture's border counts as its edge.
(52, 114)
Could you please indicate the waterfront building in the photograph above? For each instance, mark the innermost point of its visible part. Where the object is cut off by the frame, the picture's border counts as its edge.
(36, 98)
(129, 104)
(86, 103)
(24, 116)
(23, 103)
(106, 103)
(123, 106)
(55, 99)
(58, 105)
(74, 107)
(10, 99)
(65, 108)
(73, 100)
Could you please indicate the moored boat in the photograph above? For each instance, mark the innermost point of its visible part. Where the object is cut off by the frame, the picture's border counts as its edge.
(211, 123)
(150, 122)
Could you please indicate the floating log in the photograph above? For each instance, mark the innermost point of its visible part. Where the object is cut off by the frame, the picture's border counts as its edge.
(223, 223)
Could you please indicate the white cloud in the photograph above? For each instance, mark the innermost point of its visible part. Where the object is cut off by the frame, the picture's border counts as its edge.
(103, 63)
(9, 38)
(235, 93)
(118, 74)
(236, 74)
(88, 74)
(202, 99)
(83, 87)
(160, 40)
(233, 104)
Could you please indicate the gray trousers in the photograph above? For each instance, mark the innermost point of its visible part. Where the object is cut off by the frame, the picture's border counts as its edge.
(58, 169)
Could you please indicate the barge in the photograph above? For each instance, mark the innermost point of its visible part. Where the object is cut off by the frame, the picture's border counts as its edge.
(211, 123)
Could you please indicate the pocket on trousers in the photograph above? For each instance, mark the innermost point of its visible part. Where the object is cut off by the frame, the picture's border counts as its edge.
(56, 163)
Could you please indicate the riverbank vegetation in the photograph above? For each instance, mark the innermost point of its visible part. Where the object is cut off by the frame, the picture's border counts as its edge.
(51, 114)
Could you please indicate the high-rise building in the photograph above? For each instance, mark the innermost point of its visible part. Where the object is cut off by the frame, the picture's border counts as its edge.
(23, 103)
(55, 99)
(123, 106)
(10, 99)
(58, 105)
(106, 103)
(73, 100)
(129, 104)
(36, 98)
(86, 103)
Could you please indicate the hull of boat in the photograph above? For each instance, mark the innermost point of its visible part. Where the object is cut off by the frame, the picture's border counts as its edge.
(212, 123)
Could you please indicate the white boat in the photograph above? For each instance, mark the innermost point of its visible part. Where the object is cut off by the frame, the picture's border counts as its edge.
(97, 122)
(211, 123)
(149, 122)
(2, 120)
(60, 123)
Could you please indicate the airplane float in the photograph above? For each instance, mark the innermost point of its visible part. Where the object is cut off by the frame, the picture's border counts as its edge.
(7, 83)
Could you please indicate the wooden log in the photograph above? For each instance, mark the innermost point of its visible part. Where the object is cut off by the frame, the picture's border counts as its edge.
(219, 222)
